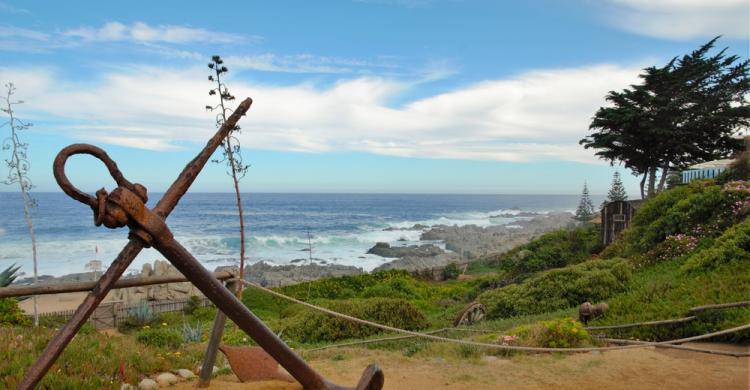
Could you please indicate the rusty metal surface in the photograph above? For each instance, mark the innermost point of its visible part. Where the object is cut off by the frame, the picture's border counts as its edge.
(253, 364)
(125, 206)
(128, 253)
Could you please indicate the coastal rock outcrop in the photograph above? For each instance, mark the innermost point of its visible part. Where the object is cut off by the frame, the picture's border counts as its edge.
(385, 249)
(281, 275)
(471, 241)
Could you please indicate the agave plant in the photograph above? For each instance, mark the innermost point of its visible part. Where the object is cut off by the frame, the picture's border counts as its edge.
(142, 314)
(191, 334)
(9, 275)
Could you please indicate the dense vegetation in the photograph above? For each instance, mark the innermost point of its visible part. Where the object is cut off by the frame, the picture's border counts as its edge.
(558, 289)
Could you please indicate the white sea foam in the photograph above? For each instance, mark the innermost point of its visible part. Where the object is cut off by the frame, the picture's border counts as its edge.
(58, 257)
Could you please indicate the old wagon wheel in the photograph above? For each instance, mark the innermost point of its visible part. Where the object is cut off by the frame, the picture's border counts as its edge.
(471, 314)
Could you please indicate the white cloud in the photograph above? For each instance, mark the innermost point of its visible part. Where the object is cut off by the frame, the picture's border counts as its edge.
(305, 63)
(143, 33)
(17, 32)
(682, 19)
(535, 115)
(7, 8)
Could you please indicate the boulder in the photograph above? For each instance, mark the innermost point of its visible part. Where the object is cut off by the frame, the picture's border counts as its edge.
(148, 384)
(166, 379)
(185, 373)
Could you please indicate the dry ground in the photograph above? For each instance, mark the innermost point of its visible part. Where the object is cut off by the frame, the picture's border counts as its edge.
(647, 368)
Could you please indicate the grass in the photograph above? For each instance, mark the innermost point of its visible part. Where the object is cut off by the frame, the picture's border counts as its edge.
(662, 291)
(91, 361)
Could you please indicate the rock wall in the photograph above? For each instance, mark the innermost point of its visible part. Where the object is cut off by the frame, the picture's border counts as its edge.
(157, 292)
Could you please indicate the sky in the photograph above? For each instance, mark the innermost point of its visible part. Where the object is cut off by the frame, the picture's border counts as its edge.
(404, 96)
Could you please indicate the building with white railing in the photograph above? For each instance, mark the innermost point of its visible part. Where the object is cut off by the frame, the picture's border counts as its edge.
(706, 170)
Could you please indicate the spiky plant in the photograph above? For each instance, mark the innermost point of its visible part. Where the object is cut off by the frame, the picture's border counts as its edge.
(9, 275)
(142, 314)
(191, 334)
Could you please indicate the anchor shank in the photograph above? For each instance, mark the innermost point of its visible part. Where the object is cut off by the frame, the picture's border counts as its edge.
(239, 313)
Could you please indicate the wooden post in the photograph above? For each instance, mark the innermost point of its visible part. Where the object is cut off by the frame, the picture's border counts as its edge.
(213, 342)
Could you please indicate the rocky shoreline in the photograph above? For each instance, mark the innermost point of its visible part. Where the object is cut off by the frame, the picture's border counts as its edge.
(438, 246)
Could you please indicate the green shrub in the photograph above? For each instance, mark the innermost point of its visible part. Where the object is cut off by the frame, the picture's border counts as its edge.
(451, 271)
(664, 291)
(550, 250)
(732, 246)
(10, 313)
(738, 170)
(555, 289)
(159, 336)
(701, 209)
(394, 288)
(193, 303)
(313, 326)
(342, 287)
(559, 333)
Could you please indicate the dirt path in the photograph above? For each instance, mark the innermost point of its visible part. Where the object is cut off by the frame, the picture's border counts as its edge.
(646, 368)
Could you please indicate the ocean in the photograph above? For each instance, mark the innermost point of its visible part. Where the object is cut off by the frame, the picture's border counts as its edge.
(340, 227)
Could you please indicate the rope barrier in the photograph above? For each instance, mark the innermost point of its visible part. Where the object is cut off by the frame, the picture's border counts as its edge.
(719, 306)
(681, 347)
(660, 322)
(488, 345)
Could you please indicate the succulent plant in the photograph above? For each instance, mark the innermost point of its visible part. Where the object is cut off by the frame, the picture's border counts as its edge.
(9, 275)
(191, 334)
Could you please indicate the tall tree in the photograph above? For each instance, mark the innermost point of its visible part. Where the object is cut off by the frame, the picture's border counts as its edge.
(231, 151)
(617, 191)
(687, 111)
(18, 172)
(585, 210)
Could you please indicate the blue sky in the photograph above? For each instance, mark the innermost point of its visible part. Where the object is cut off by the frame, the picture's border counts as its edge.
(350, 96)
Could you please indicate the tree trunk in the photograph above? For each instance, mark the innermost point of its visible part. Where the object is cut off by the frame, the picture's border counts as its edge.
(663, 180)
(651, 180)
(643, 184)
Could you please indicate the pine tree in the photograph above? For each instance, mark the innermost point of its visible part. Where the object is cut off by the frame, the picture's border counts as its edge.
(585, 210)
(617, 192)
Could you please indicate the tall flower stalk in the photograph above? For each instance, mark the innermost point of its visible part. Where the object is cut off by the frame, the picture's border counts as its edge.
(231, 152)
(18, 169)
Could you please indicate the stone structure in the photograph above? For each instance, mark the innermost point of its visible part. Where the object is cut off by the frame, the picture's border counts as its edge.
(159, 292)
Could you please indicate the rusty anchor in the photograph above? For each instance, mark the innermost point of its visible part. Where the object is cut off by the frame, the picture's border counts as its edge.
(125, 206)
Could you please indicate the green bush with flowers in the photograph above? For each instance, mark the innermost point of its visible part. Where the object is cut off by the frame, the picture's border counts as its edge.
(558, 333)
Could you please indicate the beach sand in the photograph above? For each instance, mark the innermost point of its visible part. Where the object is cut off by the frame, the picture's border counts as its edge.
(55, 302)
